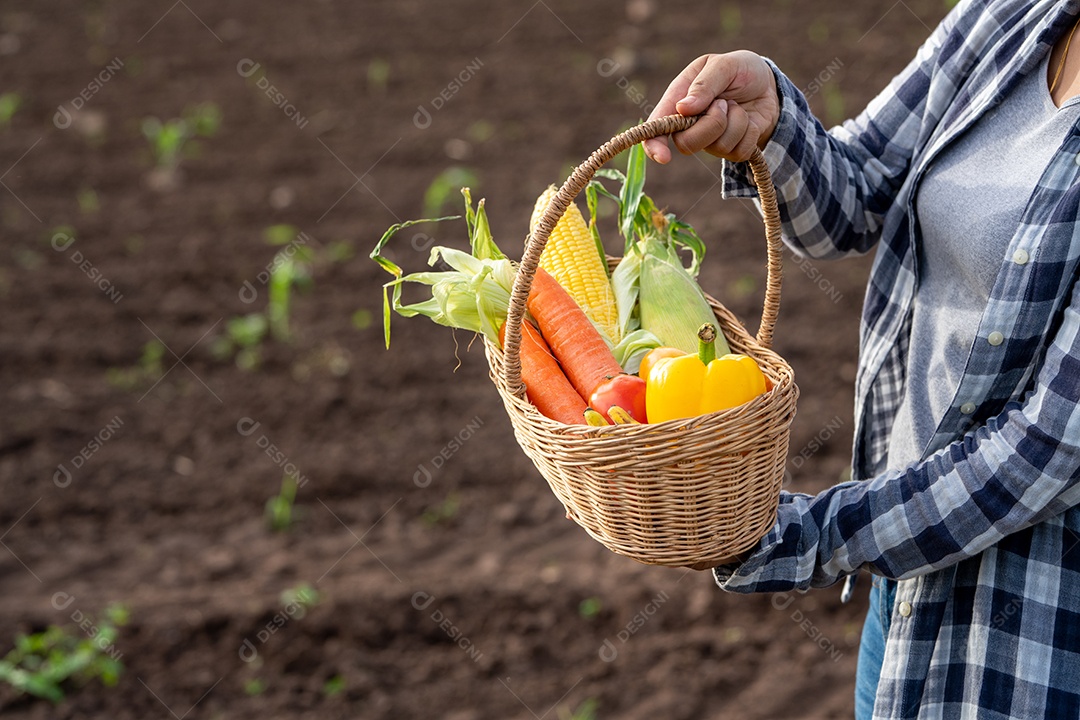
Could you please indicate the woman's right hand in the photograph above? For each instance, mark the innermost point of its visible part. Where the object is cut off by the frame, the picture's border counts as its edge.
(736, 91)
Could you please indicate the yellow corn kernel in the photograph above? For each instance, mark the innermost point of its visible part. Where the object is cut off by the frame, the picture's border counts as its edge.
(572, 257)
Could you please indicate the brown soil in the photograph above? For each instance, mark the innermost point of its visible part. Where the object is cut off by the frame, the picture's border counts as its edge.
(459, 597)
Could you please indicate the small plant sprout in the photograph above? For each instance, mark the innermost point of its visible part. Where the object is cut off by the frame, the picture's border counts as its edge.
(282, 277)
(242, 337)
(171, 140)
(9, 105)
(444, 512)
(279, 509)
(585, 711)
(834, 102)
(730, 19)
(150, 360)
(148, 368)
(46, 663)
(446, 187)
(60, 234)
(303, 595)
(281, 234)
(362, 319)
(291, 267)
(481, 131)
(88, 201)
(378, 74)
(590, 607)
(340, 251)
(333, 686)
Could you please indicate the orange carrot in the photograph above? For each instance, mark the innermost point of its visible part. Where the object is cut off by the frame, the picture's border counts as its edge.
(581, 351)
(545, 384)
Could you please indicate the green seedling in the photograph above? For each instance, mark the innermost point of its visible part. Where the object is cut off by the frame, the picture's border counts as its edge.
(9, 104)
(246, 331)
(585, 711)
(303, 595)
(44, 663)
(148, 369)
(378, 75)
(279, 509)
(589, 608)
(362, 319)
(61, 233)
(482, 130)
(255, 686)
(730, 19)
(171, 140)
(133, 66)
(834, 102)
(333, 686)
(744, 286)
(287, 272)
(280, 234)
(242, 337)
(282, 278)
(444, 512)
(340, 251)
(88, 201)
(446, 187)
(291, 267)
(150, 360)
(818, 31)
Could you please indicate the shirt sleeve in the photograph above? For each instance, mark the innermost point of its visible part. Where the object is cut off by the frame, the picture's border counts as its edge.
(1021, 468)
(834, 187)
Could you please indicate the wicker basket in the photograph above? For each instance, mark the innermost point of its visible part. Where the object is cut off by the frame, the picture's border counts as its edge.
(677, 493)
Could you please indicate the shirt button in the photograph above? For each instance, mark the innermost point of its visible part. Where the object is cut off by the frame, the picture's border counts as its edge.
(1077, 159)
(1020, 257)
(995, 338)
(967, 408)
(905, 609)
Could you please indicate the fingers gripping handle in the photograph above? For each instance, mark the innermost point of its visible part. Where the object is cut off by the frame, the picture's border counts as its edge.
(579, 178)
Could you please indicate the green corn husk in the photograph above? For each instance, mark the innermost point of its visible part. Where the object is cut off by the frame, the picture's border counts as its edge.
(473, 296)
(671, 304)
(654, 291)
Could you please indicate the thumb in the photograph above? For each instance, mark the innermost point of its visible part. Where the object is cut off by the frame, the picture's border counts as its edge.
(707, 85)
(695, 102)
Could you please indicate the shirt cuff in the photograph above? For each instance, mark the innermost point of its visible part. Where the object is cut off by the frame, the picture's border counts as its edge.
(745, 577)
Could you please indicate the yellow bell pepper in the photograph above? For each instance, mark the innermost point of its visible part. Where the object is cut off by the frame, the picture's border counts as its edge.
(692, 385)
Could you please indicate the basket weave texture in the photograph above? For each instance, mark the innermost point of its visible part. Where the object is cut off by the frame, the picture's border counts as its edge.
(678, 493)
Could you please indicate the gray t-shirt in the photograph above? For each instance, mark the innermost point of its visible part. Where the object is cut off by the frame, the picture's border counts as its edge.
(969, 206)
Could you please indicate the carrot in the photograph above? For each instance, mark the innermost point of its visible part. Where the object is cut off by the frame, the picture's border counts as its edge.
(545, 384)
(581, 351)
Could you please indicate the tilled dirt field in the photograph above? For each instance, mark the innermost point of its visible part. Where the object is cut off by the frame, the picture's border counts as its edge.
(137, 455)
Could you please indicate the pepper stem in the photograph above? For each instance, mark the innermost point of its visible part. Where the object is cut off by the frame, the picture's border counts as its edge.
(707, 343)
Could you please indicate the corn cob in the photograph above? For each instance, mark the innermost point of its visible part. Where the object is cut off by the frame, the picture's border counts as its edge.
(573, 258)
(594, 419)
(672, 305)
(619, 416)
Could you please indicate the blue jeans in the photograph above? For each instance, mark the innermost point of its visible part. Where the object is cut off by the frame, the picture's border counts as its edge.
(872, 646)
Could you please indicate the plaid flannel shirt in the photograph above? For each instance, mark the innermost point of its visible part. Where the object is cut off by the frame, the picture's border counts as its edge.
(983, 532)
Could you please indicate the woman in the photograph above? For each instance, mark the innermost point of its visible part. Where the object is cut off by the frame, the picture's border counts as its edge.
(963, 176)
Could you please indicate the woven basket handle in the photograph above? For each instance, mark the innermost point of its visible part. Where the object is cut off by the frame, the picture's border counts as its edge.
(534, 244)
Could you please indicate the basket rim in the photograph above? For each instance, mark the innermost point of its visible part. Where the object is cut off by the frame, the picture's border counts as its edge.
(771, 362)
